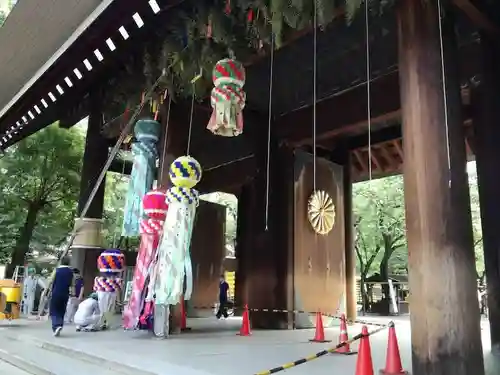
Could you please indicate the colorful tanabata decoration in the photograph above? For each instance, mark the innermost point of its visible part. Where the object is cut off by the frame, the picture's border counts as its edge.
(227, 98)
(147, 133)
(174, 261)
(111, 264)
(141, 299)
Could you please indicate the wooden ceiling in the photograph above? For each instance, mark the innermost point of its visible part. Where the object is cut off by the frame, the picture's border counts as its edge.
(387, 157)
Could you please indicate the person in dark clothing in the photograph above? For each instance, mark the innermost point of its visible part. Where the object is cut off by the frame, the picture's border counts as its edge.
(76, 298)
(62, 287)
(223, 298)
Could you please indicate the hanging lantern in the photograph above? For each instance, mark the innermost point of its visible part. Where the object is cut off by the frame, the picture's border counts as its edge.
(155, 204)
(111, 262)
(185, 172)
(227, 98)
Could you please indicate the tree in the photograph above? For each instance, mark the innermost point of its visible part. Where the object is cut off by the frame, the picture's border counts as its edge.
(40, 179)
(114, 204)
(380, 242)
(476, 220)
(380, 229)
(3, 16)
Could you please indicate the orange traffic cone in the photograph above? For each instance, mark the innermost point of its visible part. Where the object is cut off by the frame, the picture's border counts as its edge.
(184, 326)
(343, 337)
(319, 335)
(393, 364)
(364, 365)
(245, 324)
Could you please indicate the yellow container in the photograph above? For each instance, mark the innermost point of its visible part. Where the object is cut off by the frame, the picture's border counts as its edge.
(231, 281)
(10, 299)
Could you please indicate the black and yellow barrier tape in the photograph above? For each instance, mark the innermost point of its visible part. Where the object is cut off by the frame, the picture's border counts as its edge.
(339, 317)
(317, 355)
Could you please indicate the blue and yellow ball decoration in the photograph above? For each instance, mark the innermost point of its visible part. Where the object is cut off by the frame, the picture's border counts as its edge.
(185, 172)
(183, 195)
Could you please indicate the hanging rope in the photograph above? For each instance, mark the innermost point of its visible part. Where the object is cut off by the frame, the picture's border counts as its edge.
(191, 115)
(315, 36)
(368, 89)
(443, 80)
(269, 121)
(164, 149)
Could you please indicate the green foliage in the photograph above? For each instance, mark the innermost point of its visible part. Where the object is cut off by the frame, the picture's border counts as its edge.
(380, 226)
(3, 16)
(40, 179)
(41, 174)
(199, 33)
(114, 204)
(476, 219)
(354, 7)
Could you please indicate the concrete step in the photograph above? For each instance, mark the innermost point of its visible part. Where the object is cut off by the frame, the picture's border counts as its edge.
(37, 360)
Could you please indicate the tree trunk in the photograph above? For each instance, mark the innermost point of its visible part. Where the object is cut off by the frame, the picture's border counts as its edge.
(24, 239)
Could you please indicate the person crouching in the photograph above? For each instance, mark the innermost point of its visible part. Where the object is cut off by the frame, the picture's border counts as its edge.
(87, 316)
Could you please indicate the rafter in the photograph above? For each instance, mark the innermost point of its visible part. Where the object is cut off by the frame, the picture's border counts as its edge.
(394, 159)
(478, 16)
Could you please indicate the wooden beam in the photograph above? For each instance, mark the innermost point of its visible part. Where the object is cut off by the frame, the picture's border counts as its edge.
(375, 161)
(360, 160)
(228, 177)
(343, 113)
(478, 17)
(398, 146)
(387, 156)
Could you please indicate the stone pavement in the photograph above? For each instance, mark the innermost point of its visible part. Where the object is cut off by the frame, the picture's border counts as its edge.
(212, 347)
(7, 369)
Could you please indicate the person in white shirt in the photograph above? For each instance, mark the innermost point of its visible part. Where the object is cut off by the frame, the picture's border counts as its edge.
(87, 316)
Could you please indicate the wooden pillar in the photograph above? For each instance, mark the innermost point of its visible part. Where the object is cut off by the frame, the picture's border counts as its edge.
(350, 255)
(94, 159)
(444, 310)
(88, 241)
(486, 136)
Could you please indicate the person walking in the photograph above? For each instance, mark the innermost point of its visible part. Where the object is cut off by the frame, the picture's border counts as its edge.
(62, 287)
(76, 298)
(223, 298)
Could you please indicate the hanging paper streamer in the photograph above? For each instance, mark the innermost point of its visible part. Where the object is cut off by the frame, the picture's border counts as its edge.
(142, 176)
(107, 284)
(155, 206)
(227, 98)
(173, 251)
(111, 264)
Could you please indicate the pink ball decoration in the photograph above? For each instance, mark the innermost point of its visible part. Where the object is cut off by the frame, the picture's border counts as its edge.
(155, 204)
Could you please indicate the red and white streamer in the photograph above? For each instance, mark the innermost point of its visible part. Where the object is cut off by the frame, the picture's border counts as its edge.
(150, 236)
